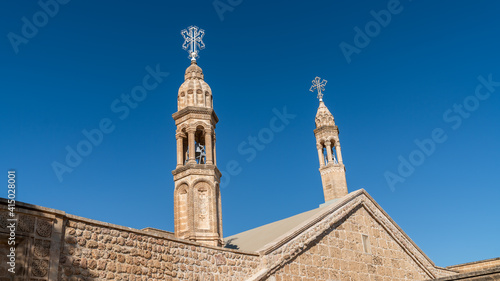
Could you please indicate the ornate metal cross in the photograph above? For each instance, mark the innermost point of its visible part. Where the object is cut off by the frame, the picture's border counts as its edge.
(193, 41)
(319, 86)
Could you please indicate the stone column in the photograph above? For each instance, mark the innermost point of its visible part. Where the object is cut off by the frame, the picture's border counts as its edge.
(328, 145)
(339, 154)
(208, 146)
(215, 154)
(320, 155)
(192, 156)
(180, 149)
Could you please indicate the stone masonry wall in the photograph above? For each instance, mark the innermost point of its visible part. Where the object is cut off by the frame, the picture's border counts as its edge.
(37, 242)
(52, 245)
(488, 274)
(92, 251)
(339, 254)
(475, 266)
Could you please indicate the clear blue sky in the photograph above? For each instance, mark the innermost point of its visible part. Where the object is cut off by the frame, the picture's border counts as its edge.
(421, 64)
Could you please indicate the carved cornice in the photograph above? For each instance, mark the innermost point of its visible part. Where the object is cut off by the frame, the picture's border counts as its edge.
(334, 129)
(195, 110)
(196, 169)
(332, 168)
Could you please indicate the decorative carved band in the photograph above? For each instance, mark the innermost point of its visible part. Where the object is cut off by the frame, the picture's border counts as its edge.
(195, 110)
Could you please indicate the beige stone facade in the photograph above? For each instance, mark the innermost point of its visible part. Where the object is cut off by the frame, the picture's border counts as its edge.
(342, 253)
(329, 246)
(349, 237)
(359, 248)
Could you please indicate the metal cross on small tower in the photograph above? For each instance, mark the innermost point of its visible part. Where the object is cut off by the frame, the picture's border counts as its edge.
(193, 41)
(319, 86)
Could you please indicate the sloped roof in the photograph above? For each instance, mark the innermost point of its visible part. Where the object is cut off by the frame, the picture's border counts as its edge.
(256, 239)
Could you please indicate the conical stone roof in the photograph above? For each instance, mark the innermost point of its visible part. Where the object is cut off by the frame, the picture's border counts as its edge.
(323, 116)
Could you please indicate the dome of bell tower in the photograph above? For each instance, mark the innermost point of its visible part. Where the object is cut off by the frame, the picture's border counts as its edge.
(194, 91)
(193, 72)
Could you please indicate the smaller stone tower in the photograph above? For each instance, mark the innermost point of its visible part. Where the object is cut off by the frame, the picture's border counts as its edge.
(331, 166)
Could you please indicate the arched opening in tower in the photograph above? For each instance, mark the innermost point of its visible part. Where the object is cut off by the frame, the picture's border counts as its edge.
(200, 147)
(329, 157)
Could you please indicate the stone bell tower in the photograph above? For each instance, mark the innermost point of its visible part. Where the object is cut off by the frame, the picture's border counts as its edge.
(197, 201)
(331, 166)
